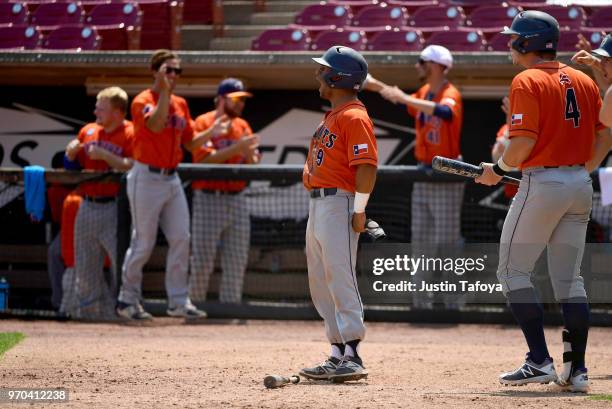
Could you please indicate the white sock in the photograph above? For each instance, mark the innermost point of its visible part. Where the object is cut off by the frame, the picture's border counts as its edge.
(335, 352)
(348, 350)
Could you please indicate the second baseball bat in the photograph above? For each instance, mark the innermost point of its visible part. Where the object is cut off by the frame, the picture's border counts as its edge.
(277, 381)
(457, 167)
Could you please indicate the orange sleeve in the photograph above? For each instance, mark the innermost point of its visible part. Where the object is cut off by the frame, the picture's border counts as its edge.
(452, 99)
(201, 123)
(188, 131)
(128, 148)
(361, 142)
(141, 110)
(525, 110)
(80, 157)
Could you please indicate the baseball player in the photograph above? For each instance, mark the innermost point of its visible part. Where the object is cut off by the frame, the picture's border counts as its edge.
(103, 145)
(162, 123)
(339, 173)
(219, 210)
(601, 62)
(438, 111)
(554, 132)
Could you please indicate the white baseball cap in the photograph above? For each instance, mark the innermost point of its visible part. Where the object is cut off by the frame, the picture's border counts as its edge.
(438, 54)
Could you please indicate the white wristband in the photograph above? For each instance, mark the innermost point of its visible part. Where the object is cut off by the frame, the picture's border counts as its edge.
(503, 165)
(361, 200)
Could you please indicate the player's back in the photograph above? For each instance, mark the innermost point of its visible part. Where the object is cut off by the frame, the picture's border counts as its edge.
(558, 106)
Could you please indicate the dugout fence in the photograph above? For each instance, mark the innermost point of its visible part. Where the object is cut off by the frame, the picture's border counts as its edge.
(276, 283)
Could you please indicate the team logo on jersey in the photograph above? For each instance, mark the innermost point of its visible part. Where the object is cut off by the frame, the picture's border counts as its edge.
(147, 108)
(90, 131)
(517, 119)
(564, 78)
(360, 149)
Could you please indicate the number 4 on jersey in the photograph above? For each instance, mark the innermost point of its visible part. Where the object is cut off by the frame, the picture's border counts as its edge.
(571, 107)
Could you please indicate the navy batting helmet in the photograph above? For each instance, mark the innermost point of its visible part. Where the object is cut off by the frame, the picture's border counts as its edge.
(537, 31)
(348, 68)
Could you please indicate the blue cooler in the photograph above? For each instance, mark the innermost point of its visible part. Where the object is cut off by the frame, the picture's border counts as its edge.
(4, 291)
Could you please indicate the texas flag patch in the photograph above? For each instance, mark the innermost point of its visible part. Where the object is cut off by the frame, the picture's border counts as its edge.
(359, 149)
(517, 119)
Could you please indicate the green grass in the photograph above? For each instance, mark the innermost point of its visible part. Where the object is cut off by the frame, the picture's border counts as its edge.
(9, 340)
(601, 397)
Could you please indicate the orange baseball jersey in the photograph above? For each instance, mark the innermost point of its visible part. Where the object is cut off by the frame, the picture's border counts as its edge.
(118, 142)
(238, 128)
(435, 136)
(343, 140)
(163, 149)
(557, 106)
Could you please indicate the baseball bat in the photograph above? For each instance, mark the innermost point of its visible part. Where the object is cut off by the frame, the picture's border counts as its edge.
(457, 167)
(277, 381)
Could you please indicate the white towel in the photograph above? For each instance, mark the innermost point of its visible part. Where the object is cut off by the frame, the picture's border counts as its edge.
(605, 181)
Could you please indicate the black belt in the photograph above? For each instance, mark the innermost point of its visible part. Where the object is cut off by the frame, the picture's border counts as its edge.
(100, 199)
(162, 171)
(220, 192)
(322, 192)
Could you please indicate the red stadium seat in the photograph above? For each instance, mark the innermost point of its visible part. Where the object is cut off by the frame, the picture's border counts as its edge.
(397, 40)
(469, 5)
(412, 5)
(376, 18)
(354, 39)
(19, 38)
(198, 11)
(324, 15)
(491, 19)
(73, 38)
(49, 16)
(14, 13)
(355, 5)
(119, 25)
(283, 39)
(459, 40)
(437, 18)
(572, 17)
(499, 42)
(601, 18)
(569, 39)
(161, 24)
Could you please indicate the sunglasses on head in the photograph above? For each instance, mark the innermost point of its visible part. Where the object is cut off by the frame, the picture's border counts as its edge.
(177, 71)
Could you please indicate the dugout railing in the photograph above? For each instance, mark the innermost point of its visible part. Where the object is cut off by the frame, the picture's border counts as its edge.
(276, 284)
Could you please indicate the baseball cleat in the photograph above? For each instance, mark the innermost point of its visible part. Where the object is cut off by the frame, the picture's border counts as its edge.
(322, 371)
(188, 311)
(133, 312)
(578, 382)
(530, 372)
(349, 369)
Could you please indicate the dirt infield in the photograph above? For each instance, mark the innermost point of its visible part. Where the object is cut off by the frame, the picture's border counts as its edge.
(222, 365)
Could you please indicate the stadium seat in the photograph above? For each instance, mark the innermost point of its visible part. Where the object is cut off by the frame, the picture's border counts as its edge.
(354, 39)
(377, 18)
(49, 16)
(14, 13)
(355, 5)
(469, 5)
(499, 42)
(572, 17)
(282, 39)
(19, 38)
(569, 39)
(198, 11)
(161, 24)
(491, 19)
(119, 25)
(73, 38)
(412, 5)
(396, 40)
(323, 17)
(601, 18)
(437, 18)
(459, 40)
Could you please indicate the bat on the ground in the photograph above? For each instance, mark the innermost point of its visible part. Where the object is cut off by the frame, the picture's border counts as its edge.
(457, 167)
(277, 381)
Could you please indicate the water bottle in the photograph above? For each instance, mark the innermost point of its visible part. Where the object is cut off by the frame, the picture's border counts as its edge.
(4, 291)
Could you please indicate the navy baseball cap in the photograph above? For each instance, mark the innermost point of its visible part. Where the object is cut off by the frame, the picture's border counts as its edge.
(232, 87)
(605, 48)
